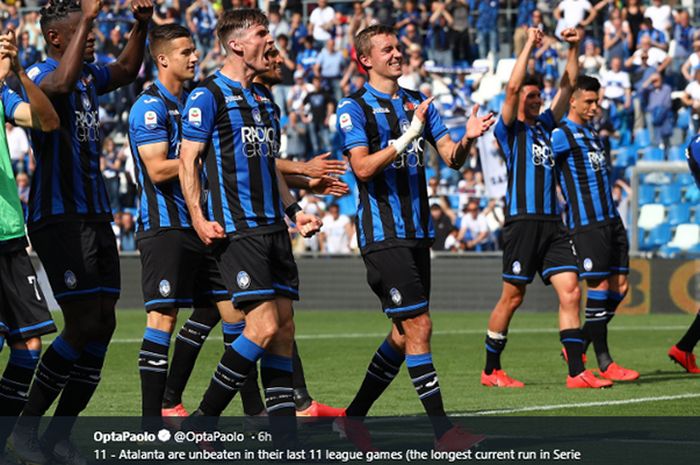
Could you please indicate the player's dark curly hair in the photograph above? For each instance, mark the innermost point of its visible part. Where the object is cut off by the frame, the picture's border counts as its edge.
(532, 80)
(56, 10)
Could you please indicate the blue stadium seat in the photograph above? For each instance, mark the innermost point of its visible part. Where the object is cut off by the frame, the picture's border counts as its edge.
(667, 251)
(670, 194)
(683, 119)
(454, 202)
(685, 179)
(653, 154)
(694, 250)
(615, 143)
(678, 213)
(647, 194)
(626, 156)
(642, 138)
(676, 153)
(657, 237)
(692, 195)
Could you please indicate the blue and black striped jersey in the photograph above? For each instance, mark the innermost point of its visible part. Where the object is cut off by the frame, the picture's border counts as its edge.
(584, 175)
(527, 150)
(241, 132)
(157, 117)
(68, 183)
(393, 206)
(692, 152)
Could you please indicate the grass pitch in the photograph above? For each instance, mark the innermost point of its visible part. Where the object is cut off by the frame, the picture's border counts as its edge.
(336, 347)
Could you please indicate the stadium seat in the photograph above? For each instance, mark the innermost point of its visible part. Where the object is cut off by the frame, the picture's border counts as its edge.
(678, 213)
(647, 194)
(687, 235)
(670, 194)
(683, 119)
(504, 69)
(626, 156)
(650, 216)
(657, 237)
(653, 154)
(454, 202)
(685, 179)
(676, 153)
(692, 195)
(694, 250)
(666, 251)
(642, 138)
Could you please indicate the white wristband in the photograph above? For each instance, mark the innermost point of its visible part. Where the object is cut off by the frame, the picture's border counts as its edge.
(414, 130)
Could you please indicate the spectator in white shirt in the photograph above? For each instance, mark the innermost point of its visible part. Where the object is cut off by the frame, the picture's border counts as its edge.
(474, 229)
(657, 57)
(573, 13)
(336, 233)
(660, 15)
(18, 143)
(616, 84)
(322, 21)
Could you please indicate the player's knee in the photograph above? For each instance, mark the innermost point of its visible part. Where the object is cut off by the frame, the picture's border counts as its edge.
(417, 328)
(512, 302)
(163, 321)
(623, 287)
(571, 297)
(33, 343)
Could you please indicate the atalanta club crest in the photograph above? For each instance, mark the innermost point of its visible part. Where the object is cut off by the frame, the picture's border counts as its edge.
(588, 264)
(243, 280)
(395, 296)
(516, 267)
(164, 288)
(85, 99)
(256, 116)
(70, 279)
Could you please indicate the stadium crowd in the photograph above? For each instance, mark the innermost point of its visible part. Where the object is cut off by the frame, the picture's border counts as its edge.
(646, 54)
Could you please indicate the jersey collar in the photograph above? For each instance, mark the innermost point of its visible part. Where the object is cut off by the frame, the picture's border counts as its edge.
(166, 93)
(379, 94)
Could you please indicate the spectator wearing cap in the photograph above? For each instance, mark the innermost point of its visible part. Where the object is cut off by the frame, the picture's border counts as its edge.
(307, 57)
(329, 66)
(319, 105)
(474, 229)
(322, 21)
(617, 37)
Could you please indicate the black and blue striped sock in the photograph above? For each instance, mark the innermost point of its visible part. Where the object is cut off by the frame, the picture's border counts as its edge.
(495, 344)
(250, 392)
(153, 370)
(230, 374)
(596, 327)
(425, 380)
(14, 388)
(276, 374)
(382, 370)
(572, 340)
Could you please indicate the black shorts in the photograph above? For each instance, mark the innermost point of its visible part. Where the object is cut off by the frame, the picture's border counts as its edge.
(259, 267)
(23, 310)
(602, 251)
(536, 246)
(80, 258)
(178, 270)
(400, 277)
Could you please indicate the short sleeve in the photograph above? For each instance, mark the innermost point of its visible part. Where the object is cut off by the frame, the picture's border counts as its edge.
(39, 71)
(148, 121)
(501, 133)
(351, 125)
(200, 111)
(435, 127)
(10, 101)
(560, 144)
(547, 120)
(102, 77)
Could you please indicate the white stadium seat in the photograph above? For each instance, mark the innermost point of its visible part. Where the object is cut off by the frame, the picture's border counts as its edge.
(651, 215)
(687, 235)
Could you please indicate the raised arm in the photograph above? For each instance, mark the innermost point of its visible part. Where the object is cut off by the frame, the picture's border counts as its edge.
(455, 154)
(38, 113)
(509, 110)
(62, 80)
(126, 68)
(566, 86)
